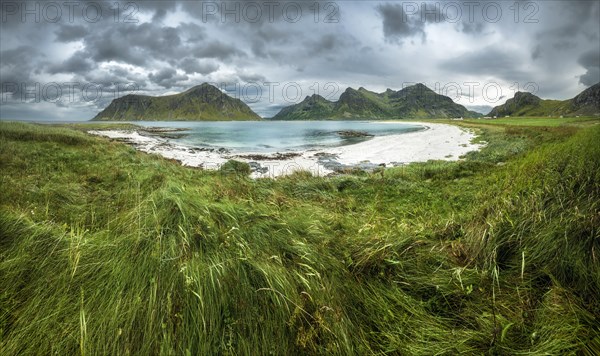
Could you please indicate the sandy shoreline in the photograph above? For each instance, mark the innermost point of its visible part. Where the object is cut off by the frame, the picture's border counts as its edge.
(437, 142)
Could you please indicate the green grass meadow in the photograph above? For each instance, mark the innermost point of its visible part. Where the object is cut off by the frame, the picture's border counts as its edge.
(537, 121)
(108, 251)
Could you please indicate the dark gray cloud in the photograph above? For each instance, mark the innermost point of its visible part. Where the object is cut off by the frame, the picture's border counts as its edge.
(167, 78)
(110, 45)
(70, 33)
(192, 65)
(18, 57)
(18, 68)
(252, 77)
(133, 44)
(396, 23)
(78, 63)
(489, 62)
(537, 52)
(160, 9)
(564, 45)
(218, 50)
(591, 62)
(408, 19)
(191, 32)
(329, 45)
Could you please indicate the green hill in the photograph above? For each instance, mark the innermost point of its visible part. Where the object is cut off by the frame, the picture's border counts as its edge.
(200, 103)
(414, 102)
(312, 105)
(527, 104)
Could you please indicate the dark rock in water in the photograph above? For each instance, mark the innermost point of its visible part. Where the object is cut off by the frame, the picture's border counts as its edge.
(169, 135)
(163, 129)
(353, 133)
(163, 132)
(278, 156)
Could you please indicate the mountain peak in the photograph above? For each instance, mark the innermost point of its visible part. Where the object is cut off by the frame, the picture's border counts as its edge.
(524, 94)
(521, 102)
(313, 98)
(314, 105)
(204, 87)
(418, 87)
(202, 102)
(525, 98)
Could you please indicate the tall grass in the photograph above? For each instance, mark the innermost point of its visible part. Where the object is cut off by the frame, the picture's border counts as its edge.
(104, 250)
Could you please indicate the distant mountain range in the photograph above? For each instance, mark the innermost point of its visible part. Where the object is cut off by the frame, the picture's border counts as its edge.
(413, 102)
(527, 104)
(200, 103)
(206, 102)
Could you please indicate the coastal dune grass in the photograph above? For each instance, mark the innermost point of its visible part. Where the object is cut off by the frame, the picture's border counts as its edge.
(105, 250)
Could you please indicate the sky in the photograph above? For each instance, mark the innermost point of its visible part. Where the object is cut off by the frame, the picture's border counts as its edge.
(67, 60)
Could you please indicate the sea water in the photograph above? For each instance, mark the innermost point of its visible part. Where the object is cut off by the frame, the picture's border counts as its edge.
(277, 136)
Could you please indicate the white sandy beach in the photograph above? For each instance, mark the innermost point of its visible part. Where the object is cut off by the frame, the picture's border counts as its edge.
(437, 142)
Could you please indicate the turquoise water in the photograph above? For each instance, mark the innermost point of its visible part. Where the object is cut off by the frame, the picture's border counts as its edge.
(277, 136)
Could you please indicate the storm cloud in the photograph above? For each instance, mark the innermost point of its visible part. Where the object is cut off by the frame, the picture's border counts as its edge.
(408, 19)
(163, 47)
(591, 62)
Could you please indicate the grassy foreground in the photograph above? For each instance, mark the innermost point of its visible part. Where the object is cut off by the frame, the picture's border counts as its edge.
(105, 250)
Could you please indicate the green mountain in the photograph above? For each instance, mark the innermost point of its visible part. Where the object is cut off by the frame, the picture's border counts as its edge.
(310, 106)
(420, 102)
(200, 103)
(361, 103)
(414, 102)
(527, 104)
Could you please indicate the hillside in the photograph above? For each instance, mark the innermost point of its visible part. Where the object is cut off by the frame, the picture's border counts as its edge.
(309, 107)
(414, 102)
(200, 103)
(588, 102)
(527, 104)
